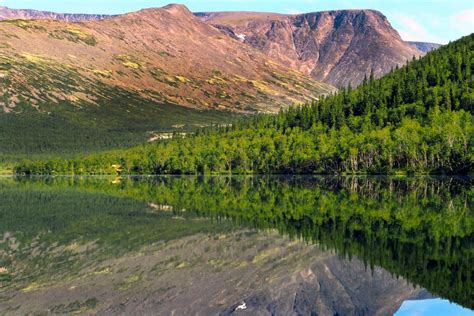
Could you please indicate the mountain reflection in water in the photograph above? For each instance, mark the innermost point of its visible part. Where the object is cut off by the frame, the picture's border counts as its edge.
(224, 245)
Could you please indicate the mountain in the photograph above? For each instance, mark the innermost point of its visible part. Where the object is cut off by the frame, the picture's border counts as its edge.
(425, 47)
(114, 81)
(338, 47)
(327, 45)
(7, 13)
(166, 55)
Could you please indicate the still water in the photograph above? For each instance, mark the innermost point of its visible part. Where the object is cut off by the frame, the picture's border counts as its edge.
(236, 245)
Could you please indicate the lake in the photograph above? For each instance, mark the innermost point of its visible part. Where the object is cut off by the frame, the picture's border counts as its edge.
(237, 245)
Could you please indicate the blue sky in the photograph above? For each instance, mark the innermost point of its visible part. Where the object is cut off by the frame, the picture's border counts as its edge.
(424, 20)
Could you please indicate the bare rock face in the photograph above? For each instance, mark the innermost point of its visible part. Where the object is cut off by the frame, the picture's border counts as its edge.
(7, 13)
(338, 47)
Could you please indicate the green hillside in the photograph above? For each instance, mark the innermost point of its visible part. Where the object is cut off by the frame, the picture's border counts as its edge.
(95, 129)
(122, 121)
(60, 111)
(417, 119)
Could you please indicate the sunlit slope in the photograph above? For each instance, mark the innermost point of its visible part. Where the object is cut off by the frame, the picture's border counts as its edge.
(163, 55)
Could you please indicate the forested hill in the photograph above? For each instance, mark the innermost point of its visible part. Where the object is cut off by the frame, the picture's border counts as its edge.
(416, 119)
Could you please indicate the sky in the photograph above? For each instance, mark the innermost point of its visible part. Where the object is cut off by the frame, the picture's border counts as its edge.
(438, 21)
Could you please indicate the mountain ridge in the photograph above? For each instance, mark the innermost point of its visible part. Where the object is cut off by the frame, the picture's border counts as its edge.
(8, 13)
(326, 45)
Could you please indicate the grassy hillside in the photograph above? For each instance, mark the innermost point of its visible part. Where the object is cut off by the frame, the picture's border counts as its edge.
(68, 88)
(417, 119)
(50, 108)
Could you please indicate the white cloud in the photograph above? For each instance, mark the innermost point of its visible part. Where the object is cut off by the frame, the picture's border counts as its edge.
(463, 21)
(412, 30)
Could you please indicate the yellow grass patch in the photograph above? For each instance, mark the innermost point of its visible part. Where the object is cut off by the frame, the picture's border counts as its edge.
(271, 62)
(129, 61)
(216, 80)
(34, 58)
(265, 254)
(262, 87)
(181, 79)
(106, 270)
(240, 78)
(78, 32)
(22, 23)
(103, 73)
(182, 265)
(131, 65)
(32, 287)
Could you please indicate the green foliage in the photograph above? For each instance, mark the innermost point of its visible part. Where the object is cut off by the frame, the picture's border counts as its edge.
(70, 133)
(417, 119)
(122, 120)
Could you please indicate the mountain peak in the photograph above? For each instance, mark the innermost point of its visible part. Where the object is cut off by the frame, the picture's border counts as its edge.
(175, 8)
(171, 10)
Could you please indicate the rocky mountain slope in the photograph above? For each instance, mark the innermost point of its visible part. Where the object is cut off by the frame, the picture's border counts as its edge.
(7, 13)
(425, 47)
(338, 47)
(164, 55)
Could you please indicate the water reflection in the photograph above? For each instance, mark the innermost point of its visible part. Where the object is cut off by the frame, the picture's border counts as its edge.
(234, 244)
(432, 307)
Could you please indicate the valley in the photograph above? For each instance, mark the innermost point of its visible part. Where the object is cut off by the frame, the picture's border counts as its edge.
(209, 159)
(417, 119)
(78, 83)
(70, 87)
